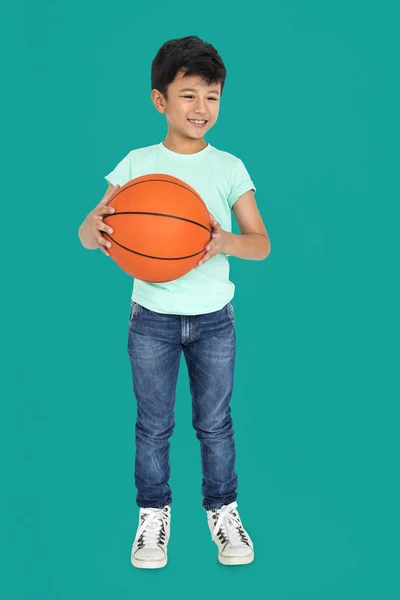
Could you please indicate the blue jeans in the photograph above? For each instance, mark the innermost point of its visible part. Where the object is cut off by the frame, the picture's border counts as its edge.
(155, 343)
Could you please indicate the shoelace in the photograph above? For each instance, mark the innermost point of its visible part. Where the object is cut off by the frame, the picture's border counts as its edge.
(229, 522)
(151, 526)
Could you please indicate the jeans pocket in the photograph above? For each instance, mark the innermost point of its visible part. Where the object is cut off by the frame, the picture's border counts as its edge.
(231, 312)
(134, 312)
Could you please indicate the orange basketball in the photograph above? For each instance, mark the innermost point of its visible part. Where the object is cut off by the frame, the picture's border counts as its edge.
(160, 228)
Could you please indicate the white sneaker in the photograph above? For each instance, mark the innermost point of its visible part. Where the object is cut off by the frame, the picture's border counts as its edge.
(149, 550)
(234, 544)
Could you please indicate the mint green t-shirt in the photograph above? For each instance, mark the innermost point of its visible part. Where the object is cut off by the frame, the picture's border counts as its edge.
(220, 178)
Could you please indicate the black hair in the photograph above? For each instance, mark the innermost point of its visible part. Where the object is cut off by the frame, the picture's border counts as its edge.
(192, 56)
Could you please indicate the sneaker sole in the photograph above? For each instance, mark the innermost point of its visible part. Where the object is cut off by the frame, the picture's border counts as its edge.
(148, 564)
(236, 560)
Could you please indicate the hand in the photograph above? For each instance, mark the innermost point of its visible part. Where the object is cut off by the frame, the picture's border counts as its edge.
(217, 243)
(94, 222)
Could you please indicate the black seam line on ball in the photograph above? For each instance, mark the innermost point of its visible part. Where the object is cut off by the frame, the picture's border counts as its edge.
(128, 212)
(154, 257)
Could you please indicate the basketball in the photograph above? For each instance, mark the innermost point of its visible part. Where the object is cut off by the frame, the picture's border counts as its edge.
(160, 228)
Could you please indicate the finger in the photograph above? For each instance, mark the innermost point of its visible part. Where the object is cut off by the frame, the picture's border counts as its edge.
(101, 226)
(105, 210)
(104, 251)
(102, 241)
(205, 258)
(216, 228)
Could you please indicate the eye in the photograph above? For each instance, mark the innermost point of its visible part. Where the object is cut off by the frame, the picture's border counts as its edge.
(191, 96)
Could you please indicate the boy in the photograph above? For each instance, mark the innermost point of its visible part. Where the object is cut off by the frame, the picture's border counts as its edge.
(192, 314)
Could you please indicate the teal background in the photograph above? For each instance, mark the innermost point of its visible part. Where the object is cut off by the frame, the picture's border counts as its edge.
(311, 107)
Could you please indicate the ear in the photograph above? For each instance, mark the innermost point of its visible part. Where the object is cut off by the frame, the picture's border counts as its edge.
(158, 101)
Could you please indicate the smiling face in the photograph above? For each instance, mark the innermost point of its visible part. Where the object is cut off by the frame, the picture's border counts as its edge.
(189, 98)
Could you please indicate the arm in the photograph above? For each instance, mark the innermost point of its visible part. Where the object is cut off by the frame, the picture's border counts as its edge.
(252, 243)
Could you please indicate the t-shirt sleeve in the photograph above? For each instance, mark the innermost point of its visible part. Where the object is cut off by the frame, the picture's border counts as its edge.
(241, 183)
(121, 174)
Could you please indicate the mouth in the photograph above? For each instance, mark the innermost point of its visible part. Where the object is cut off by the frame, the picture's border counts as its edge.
(198, 123)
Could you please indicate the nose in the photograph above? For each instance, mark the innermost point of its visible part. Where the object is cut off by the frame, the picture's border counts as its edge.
(200, 108)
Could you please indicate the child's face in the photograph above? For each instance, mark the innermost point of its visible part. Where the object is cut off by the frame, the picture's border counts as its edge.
(202, 104)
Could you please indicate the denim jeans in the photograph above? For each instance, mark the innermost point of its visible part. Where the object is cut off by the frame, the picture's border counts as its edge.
(155, 344)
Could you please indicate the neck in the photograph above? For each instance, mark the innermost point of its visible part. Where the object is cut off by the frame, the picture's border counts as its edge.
(184, 145)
